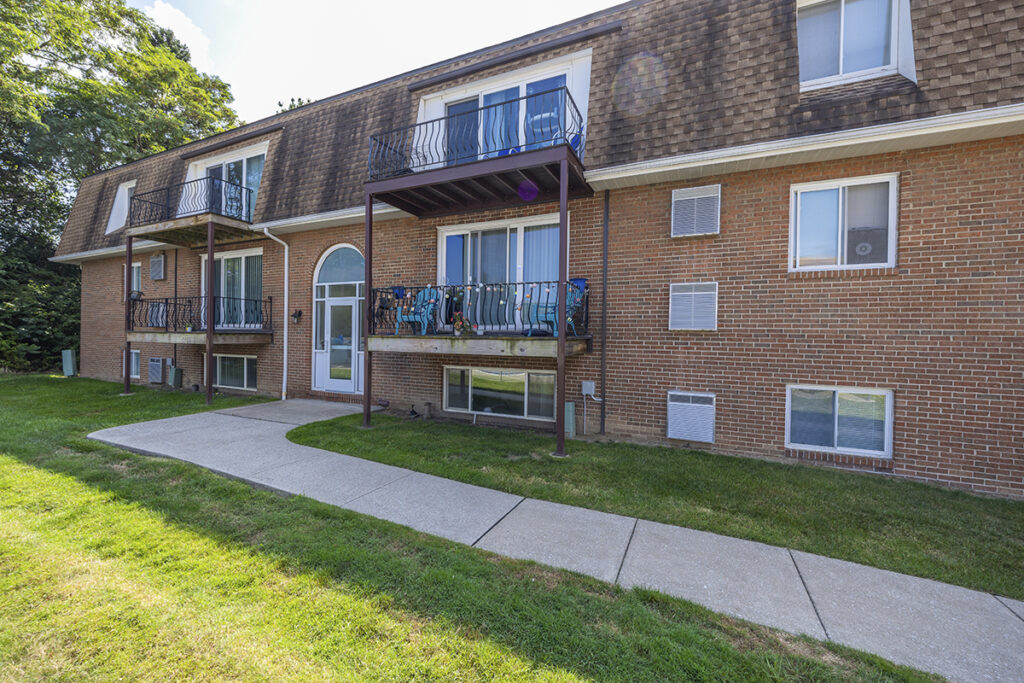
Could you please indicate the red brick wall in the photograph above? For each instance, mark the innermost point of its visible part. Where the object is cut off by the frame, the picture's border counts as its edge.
(942, 329)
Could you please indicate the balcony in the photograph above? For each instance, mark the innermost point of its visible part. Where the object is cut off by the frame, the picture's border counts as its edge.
(181, 214)
(504, 154)
(517, 319)
(182, 320)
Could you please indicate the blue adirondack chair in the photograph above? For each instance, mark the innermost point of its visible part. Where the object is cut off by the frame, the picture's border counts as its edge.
(547, 313)
(420, 312)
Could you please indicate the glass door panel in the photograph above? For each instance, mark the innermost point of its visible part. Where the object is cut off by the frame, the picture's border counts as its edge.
(462, 131)
(214, 189)
(501, 123)
(233, 171)
(231, 304)
(342, 332)
(545, 112)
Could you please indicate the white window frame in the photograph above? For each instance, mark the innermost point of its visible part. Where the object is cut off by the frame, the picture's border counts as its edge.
(130, 361)
(888, 393)
(517, 224)
(136, 268)
(691, 329)
(120, 209)
(197, 168)
(220, 256)
(245, 371)
(794, 218)
(901, 48)
(526, 392)
(575, 67)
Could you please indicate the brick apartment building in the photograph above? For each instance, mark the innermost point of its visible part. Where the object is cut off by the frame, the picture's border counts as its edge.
(775, 228)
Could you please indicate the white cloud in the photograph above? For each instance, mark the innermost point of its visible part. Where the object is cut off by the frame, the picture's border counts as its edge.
(186, 31)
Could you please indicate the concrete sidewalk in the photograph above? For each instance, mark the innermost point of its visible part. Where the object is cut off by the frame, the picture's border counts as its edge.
(959, 633)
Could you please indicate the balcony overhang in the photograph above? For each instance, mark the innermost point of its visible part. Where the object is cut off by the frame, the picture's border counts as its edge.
(518, 179)
(190, 231)
(219, 338)
(475, 345)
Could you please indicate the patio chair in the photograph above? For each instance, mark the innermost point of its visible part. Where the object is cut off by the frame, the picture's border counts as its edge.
(420, 312)
(547, 313)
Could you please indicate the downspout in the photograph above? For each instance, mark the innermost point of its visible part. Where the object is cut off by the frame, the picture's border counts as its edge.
(284, 317)
(604, 311)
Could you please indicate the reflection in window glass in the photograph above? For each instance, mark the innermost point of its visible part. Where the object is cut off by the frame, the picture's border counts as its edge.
(861, 422)
(811, 419)
(866, 34)
(541, 401)
(818, 40)
(458, 388)
(818, 228)
(501, 392)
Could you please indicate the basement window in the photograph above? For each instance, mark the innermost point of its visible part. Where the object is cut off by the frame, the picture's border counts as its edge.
(508, 393)
(234, 372)
(839, 420)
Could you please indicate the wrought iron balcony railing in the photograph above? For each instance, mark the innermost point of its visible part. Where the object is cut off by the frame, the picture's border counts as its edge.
(203, 195)
(188, 314)
(518, 125)
(526, 308)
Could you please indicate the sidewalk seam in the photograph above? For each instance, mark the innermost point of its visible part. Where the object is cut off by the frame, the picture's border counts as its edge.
(491, 527)
(808, 591)
(1000, 601)
(374, 490)
(622, 562)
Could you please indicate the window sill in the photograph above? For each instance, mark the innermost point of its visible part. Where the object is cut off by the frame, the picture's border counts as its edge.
(878, 463)
(847, 79)
(841, 273)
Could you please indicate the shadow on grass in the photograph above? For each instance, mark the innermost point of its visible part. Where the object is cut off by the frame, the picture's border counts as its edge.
(550, 617)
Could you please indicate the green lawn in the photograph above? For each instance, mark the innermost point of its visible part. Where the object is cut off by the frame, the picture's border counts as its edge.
(904, 526)
(118, 566)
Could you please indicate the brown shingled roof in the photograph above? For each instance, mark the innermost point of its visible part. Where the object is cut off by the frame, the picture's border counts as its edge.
(730, 70)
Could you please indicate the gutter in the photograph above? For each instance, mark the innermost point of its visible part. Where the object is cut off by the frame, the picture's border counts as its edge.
(978, 124)
(284, 360)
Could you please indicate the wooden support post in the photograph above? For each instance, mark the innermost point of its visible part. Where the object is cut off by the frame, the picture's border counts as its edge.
(370, 303)
(209, 312)
(563, 267)
(127, 314)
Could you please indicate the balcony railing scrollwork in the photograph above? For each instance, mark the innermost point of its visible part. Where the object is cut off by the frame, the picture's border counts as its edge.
(188, 314)
(503, 309)
(192, 198)
(513, 126)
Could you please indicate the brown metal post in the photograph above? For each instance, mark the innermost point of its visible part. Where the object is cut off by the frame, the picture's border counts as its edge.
(127, 314)
(209, 313)
(563, 267)
(370, 303)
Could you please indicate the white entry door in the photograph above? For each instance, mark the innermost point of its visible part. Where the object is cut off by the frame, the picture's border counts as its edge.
(339, 366)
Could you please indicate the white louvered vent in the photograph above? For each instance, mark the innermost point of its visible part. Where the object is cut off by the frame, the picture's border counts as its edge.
(156, 267)
(156, 370)
(696, 211)
(691, 417)
(693, 306)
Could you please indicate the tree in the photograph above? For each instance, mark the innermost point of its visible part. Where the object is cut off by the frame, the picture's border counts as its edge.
(295, 103)
(84, 85)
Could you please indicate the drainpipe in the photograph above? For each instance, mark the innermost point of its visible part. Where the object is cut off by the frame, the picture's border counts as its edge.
(284, 361)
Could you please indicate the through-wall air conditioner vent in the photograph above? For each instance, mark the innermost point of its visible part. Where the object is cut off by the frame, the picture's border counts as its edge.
(156, 370)
(156, 267)
(693, 306)
(696, 211)
(691, 416)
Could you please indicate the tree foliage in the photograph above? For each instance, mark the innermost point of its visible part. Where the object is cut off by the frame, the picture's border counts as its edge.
(295, 103)
(84, 85)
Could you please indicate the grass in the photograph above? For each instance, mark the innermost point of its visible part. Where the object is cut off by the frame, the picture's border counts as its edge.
(119, 566)
(904, 526)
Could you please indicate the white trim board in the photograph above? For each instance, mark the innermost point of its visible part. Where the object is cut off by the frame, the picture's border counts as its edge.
(928, 132)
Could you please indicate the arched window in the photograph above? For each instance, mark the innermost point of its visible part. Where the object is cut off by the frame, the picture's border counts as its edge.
(339, 276)
(344, 264)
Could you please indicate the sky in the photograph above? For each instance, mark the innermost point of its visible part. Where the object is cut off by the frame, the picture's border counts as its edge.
(274, 50)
